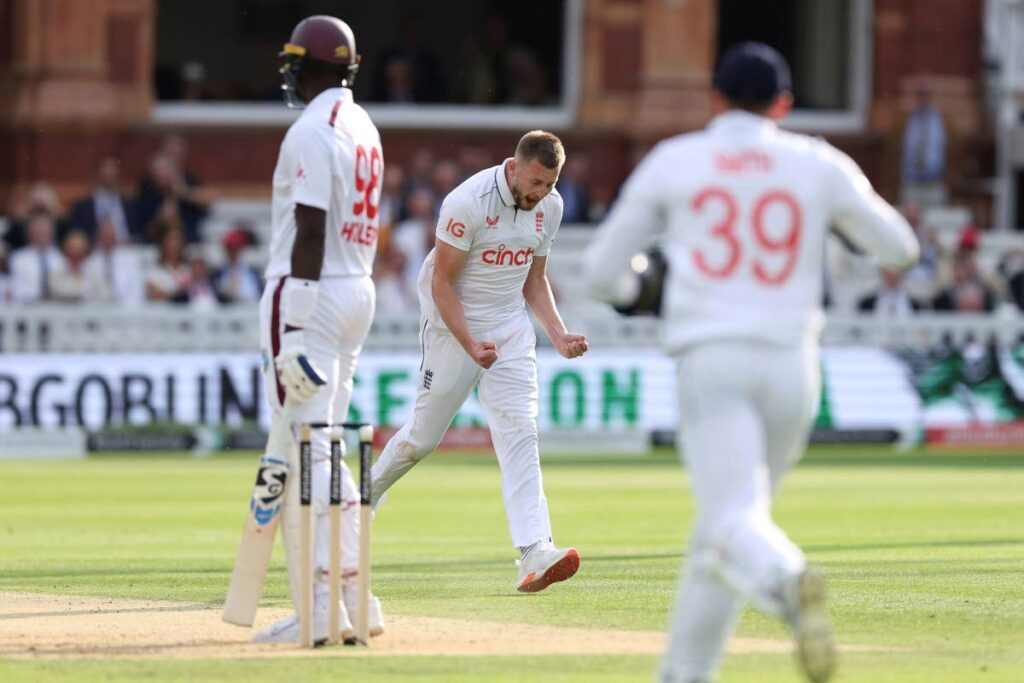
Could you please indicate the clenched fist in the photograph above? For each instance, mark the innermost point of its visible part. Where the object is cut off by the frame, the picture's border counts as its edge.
(571, 345)
(484, 353)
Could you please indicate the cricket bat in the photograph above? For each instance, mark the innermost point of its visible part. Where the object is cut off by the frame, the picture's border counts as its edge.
(261, 522)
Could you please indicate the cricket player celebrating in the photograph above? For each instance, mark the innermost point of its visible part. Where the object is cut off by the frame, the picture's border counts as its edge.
(493, 237)
(319, 300)
(741, 210)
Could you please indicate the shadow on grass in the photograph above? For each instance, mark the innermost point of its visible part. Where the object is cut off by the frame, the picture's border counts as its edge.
(817, 456)
(900, 545)
(113, 610)
(920, 458)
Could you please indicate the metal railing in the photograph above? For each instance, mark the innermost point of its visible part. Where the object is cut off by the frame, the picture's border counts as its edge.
(160, 328)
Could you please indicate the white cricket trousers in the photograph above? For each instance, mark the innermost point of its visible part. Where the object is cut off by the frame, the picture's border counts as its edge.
(334, 339)
(745, 413)
(508, 394)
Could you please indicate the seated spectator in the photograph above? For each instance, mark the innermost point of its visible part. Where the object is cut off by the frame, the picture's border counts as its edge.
(927, 267)
(106, 203)
(600, 202)
(6, 286)
(391, 196)
(408, 71)
(968, 293)
(397, 86)
(169, 181)
(40, 198)
(164, 203)
(169, 280)
(200, 294)
(393, 292)
(31, 265)
(237, 281)
(572, 185)
(527, 79)
(116, 267)
(419, 172)
(1011, 269)
(474, 157)
(414, 237)
(446, 177)
(892, 300)
(70, 281)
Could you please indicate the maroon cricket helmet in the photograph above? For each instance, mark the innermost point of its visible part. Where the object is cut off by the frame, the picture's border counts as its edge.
(325, 38)
(322, 40)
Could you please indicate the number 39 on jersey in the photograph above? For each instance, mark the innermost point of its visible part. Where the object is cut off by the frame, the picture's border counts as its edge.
(760, 236)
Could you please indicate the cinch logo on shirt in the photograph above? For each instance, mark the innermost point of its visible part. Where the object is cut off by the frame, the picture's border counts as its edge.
(507, 257)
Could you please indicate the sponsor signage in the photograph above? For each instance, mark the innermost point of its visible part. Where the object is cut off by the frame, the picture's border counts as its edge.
(94, 391)
(865, 389)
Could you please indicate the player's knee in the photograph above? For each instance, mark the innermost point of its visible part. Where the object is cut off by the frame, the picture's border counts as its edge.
(721, 528)
(517, 430)
(410, 451)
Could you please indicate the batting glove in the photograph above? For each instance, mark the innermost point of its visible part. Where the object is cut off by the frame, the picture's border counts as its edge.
(301, 379)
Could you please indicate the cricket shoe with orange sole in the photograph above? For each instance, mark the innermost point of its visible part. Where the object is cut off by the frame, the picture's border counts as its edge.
(543, 565)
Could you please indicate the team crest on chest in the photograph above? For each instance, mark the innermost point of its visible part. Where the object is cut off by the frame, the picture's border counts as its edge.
(539, 221)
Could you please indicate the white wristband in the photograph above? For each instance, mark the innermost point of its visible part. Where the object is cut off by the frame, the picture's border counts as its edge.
(299, 301)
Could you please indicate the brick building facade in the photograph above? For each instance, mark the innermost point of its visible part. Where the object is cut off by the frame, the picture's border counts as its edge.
(76, 83)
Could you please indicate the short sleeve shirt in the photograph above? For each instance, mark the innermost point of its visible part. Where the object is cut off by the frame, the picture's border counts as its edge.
(331, 160)
(480, 216)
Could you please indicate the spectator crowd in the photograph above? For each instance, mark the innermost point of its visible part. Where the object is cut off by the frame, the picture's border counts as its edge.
(948, 280)
(97, 251)
(150, 246)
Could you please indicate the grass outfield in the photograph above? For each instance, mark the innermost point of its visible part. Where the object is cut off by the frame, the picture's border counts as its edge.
(924, 554)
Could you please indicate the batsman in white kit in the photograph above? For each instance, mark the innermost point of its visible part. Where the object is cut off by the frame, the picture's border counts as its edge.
(490, 261)
(741, 211)
(319, 301)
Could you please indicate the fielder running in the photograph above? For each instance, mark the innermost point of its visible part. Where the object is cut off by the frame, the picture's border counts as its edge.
(318, 304)
(490, 260)
(742, 210)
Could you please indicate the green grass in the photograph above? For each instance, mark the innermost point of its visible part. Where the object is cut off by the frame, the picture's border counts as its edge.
(924, 553)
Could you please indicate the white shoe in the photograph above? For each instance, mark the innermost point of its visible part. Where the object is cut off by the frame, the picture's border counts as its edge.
(350, 595)
(544, 565)
(287, 630)
(805, 612)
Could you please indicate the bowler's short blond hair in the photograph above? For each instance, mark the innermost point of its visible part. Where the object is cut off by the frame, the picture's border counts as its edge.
(543, 146)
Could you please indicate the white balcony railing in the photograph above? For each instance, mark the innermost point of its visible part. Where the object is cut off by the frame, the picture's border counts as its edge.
(169, 328)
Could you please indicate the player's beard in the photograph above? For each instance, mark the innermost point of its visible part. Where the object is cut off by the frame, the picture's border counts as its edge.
(522, 201)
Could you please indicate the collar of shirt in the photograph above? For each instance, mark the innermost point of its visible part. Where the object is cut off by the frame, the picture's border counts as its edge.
(738, 122)
(328, 97)
(501, 182)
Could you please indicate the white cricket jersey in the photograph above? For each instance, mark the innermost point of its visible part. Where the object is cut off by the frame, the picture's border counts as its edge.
(330, 159)
(741, 210)
(480, 216)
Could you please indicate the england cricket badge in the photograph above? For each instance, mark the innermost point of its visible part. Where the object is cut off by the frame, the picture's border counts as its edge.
(269, 490)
